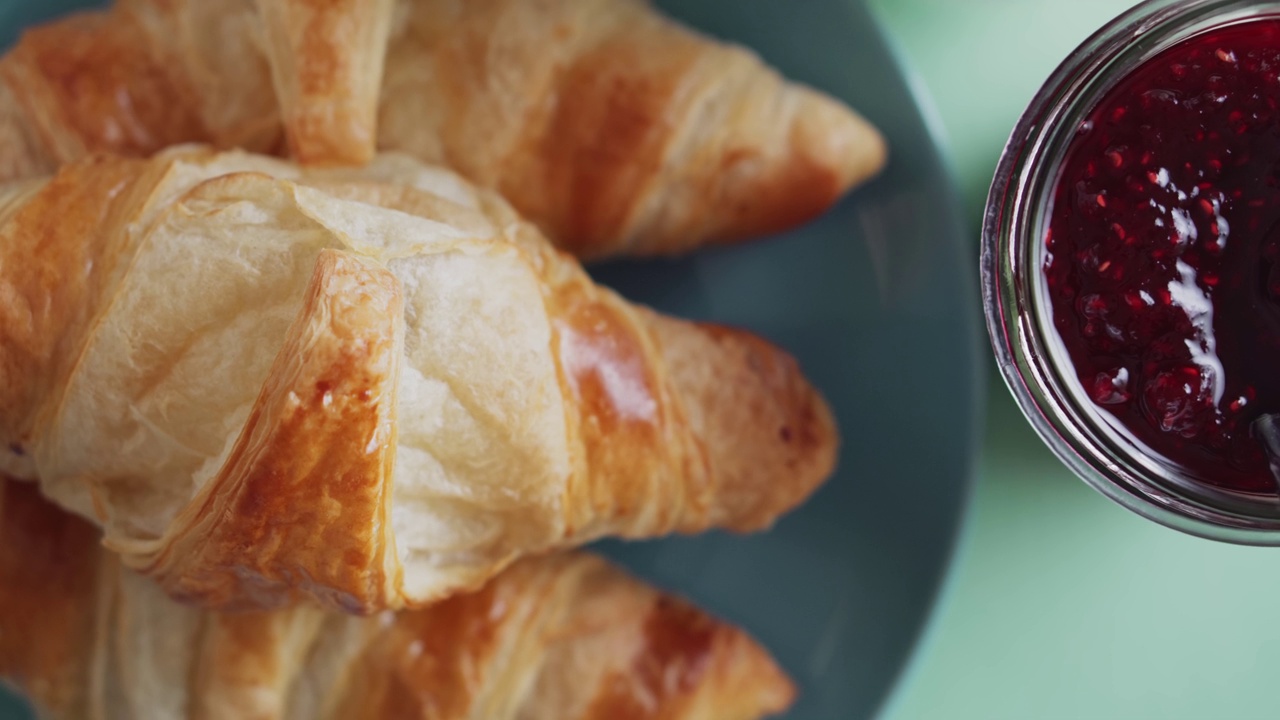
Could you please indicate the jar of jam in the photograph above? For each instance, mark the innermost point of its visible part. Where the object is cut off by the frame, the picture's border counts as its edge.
(1131, 265)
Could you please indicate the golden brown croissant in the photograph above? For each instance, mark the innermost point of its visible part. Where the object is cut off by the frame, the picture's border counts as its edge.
(613, 128)
(558, 637)
(374, 387)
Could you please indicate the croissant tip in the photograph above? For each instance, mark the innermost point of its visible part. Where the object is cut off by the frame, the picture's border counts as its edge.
(771, 690)
(827, 150)
(832, 135)
(769, 436)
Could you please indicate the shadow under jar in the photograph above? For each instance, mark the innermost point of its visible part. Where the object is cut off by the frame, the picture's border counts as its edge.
(1131, 265)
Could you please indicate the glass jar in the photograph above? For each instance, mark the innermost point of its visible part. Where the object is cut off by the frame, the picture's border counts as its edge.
(1029, 351)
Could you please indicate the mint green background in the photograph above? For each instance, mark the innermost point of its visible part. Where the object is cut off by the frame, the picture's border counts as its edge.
(1060, 604)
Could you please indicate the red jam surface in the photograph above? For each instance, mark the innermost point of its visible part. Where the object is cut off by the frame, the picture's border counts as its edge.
(1163, 264)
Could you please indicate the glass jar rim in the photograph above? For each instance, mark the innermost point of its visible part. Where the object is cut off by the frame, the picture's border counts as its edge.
(1010, 231)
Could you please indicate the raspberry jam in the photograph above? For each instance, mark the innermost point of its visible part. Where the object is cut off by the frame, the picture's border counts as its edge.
(1162, 257)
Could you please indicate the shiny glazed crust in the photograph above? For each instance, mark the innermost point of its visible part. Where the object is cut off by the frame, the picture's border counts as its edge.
(370, 387)
(614, 129)
(562, 637)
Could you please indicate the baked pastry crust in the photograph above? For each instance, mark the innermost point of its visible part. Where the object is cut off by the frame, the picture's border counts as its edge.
(372, 387)
(326, 63)
(562, 637)
(614, 129)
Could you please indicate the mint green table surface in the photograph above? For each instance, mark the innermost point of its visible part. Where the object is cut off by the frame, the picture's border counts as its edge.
(1061, 605)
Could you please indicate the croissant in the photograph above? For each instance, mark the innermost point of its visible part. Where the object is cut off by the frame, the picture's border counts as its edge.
(614, 129)
(558, 637)
(372, 387)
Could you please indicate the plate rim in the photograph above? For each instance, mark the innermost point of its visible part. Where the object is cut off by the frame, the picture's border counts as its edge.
(944, 587)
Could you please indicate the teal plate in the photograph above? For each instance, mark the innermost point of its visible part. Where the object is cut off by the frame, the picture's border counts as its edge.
(878, 302)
